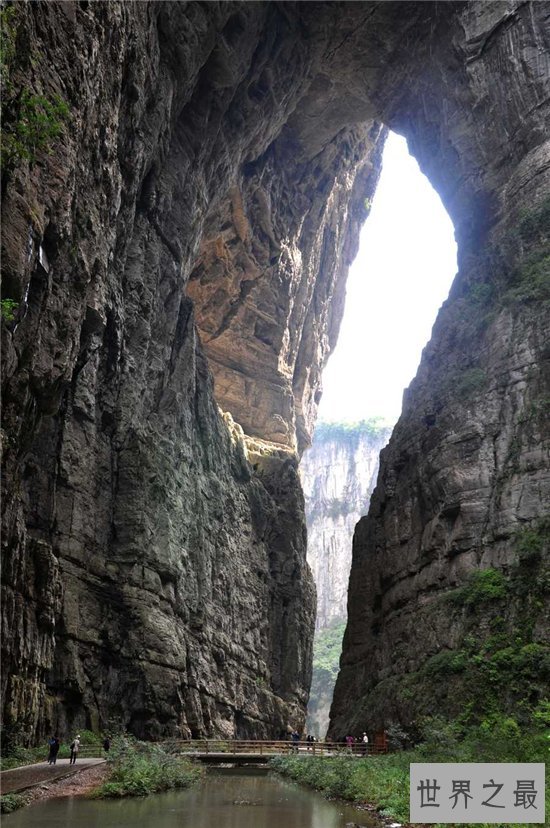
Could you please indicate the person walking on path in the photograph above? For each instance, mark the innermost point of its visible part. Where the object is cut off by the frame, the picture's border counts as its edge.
(75, 745)
(107, 744)
(53, 744)
(365, 741)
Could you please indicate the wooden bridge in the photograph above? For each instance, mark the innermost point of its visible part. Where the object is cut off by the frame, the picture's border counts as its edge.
(244, 752)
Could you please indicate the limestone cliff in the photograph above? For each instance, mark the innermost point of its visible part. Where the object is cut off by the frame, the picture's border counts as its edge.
(338, 474)
(212, 173)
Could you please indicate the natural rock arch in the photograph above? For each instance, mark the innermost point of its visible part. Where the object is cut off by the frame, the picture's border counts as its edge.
(131, 512)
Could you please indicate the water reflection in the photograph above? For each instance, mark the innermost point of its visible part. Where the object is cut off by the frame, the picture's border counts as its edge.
(224, 801)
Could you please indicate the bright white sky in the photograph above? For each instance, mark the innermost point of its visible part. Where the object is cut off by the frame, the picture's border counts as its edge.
(401, 276)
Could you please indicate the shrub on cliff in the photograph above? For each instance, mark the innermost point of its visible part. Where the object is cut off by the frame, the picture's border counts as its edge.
(140, 768)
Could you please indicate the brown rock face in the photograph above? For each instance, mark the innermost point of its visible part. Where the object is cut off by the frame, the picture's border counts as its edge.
(215, 167)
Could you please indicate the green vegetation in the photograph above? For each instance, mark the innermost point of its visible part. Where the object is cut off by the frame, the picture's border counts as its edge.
(11, 802)
(141, 768)
(502, 662)
(384, 780)
(481, 586)
(38, 122)
(327, 647)
(470, 381)
(530, 280)
(343, 431)
(7, 309)
(532, 541)
(30, 122)
(15, 757)
(8, 32)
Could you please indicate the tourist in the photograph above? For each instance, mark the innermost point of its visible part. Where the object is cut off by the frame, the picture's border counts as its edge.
(365, 741)
(53, 744)
(349, 742)
(107, 744)
(75, 746)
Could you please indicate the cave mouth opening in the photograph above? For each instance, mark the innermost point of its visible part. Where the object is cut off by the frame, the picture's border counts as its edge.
(402, 274)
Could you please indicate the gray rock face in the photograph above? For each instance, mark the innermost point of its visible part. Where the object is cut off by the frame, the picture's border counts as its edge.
(338, 474)
(151, 571)
(448, 603)
(155, 568)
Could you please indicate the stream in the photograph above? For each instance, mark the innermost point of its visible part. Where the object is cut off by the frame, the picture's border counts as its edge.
(226, 799)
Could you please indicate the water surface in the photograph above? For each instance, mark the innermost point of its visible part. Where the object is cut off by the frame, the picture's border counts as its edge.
(224, 800)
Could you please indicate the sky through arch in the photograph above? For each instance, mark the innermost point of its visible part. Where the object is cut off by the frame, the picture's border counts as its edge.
(402, 274)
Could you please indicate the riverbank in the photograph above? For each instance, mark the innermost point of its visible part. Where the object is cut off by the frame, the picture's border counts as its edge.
(383, 781)
(133, 769)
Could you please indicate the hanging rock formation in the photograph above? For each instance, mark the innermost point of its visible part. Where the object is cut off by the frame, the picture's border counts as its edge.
(212, 175)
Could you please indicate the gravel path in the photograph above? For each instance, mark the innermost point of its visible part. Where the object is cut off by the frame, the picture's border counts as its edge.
(18, 779)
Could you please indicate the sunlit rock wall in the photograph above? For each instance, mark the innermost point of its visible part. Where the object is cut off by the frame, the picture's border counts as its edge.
(338, 475)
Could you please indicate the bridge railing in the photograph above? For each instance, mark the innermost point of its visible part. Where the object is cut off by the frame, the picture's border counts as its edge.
(275, 747)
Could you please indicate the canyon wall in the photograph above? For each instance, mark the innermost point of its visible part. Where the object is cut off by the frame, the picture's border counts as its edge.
(338, 474)
(180, 240)
(448, 608)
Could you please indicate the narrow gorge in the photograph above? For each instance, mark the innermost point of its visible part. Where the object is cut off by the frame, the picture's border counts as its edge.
(183, 186)
(338, 474)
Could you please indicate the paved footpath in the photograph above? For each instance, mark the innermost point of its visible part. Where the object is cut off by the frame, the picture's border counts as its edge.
(17, 779)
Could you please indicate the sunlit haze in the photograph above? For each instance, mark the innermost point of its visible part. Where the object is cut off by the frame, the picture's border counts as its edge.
(401, 276)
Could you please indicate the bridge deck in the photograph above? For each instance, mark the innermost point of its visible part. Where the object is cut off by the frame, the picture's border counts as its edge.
(218, 751)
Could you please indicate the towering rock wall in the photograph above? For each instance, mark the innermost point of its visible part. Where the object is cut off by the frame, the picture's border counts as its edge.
(449, 600)
(154, 566)
(338, 474)
(151, 570)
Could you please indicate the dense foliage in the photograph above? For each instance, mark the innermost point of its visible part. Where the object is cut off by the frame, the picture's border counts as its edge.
(347, 431)
(327, 647)
(141, 768)
(384, 780)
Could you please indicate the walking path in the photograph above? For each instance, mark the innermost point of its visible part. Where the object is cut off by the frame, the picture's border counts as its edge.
(18, 779)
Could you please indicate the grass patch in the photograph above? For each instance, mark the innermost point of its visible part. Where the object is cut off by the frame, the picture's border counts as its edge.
(384, 780)
(141, 768)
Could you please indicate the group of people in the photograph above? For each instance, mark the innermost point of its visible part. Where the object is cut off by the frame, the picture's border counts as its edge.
(351, 741)
(54, 743)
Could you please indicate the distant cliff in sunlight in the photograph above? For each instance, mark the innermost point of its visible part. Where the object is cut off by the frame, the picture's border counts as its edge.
(338, 475)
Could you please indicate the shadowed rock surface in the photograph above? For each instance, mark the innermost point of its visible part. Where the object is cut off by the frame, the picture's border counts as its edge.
(153, 564)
